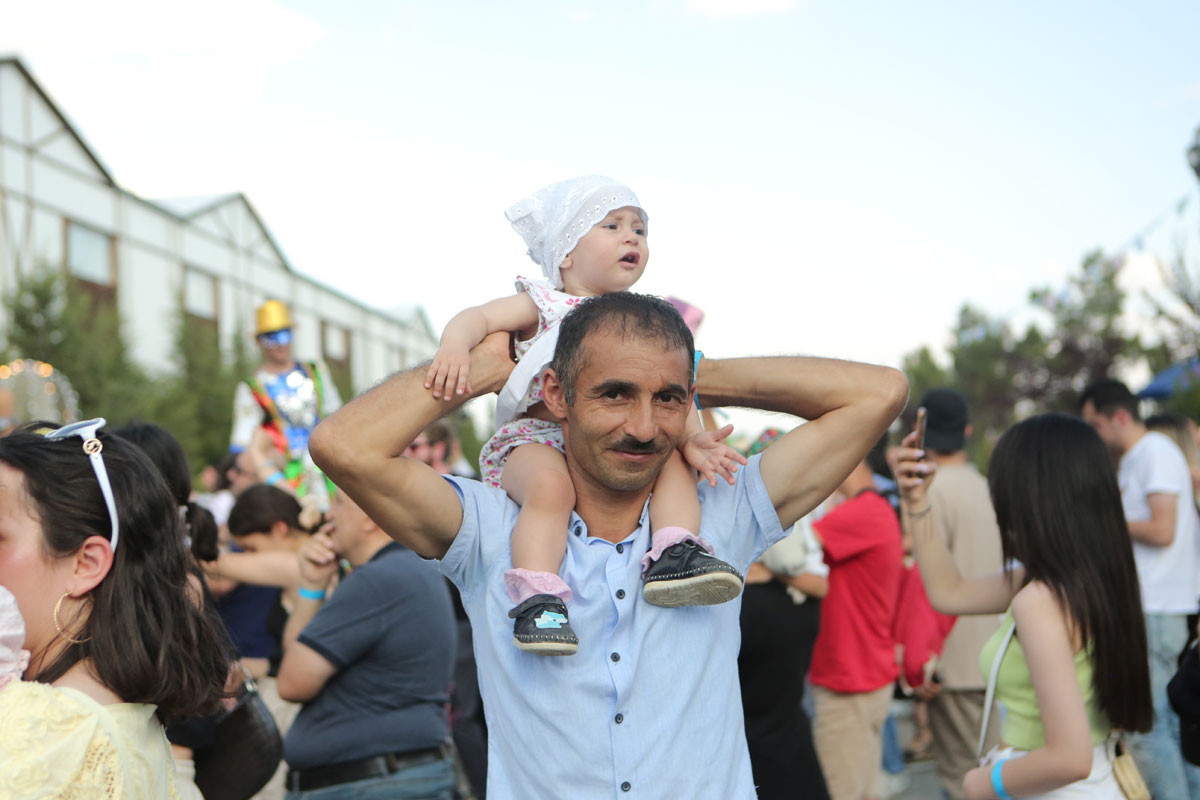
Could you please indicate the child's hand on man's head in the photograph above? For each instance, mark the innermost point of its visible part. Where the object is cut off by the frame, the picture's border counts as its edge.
(449, 373)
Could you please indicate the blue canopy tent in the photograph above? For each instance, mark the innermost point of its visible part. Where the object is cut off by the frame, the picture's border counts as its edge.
(1173, 377)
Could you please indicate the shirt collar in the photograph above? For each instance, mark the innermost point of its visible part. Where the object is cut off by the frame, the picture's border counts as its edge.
(579, 528)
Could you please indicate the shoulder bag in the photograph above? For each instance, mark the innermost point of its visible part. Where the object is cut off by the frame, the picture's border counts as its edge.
(246, 751)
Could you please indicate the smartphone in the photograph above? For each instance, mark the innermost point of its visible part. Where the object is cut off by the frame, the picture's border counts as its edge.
(920, 428)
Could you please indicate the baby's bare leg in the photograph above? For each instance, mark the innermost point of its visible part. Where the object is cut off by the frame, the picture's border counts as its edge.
(675, 503)
(687, 575)
(536, 476)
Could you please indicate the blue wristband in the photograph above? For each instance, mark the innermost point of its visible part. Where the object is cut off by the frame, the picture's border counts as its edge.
(695, 370)
(276, 477)
(998, 782)
(311, 594)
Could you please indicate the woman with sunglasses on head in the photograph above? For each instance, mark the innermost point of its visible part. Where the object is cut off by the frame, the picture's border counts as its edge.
(91, 547)
(1069, 659)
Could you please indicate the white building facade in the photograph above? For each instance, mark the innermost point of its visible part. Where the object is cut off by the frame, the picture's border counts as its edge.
(60, 208)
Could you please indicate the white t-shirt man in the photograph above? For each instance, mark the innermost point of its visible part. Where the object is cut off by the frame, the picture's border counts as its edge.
(1168, 575)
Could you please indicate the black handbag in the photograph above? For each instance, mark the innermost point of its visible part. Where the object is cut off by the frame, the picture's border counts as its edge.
(245, 753)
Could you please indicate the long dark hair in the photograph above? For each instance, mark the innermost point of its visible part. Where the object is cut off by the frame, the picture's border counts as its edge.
(146, 638)
(1060, 515)
(167, 454)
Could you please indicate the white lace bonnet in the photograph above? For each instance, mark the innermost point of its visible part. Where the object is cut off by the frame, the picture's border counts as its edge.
(553, 220)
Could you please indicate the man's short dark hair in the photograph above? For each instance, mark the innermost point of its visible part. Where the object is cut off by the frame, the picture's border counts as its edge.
(1109, 395)
(628, 315)
(945, 421)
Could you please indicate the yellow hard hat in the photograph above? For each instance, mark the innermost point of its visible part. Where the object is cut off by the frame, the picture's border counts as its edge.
(272, 316)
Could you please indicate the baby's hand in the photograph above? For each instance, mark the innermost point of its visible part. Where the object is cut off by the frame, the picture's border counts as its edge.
(707, 452)
(450, 372)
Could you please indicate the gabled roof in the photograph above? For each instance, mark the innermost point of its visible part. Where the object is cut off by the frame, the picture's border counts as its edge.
(190, 208)
(15, 62)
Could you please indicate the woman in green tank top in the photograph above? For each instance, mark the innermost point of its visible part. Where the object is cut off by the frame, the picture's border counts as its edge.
(1076, 665)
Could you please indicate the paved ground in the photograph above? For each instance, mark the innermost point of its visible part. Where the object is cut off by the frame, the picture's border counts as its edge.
(922, 782)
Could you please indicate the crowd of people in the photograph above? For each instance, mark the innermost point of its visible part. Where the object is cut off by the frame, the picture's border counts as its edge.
(621, 603)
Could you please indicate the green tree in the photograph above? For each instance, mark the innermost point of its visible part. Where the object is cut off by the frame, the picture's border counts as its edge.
(195, 401)
(924, 373)
(52, 320)
(1086, 338)
(1006, 374)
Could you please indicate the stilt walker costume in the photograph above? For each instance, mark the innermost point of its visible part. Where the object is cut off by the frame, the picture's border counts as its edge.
(286, 399)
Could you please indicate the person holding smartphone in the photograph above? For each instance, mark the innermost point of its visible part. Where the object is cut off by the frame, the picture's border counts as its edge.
(962, 518)
(1069, 662)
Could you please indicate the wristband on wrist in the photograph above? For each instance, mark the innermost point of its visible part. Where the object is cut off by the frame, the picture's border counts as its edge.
(275, 477)
(695, 371)
(311, 594)
(998, 782)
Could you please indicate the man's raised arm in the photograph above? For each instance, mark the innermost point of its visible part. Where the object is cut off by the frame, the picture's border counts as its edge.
(848, 406)
(361, 449)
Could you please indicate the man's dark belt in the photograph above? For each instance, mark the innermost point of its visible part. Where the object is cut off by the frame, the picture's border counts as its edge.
(307, 780)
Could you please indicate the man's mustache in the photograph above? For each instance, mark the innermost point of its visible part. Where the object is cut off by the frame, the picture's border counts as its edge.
(631, 445)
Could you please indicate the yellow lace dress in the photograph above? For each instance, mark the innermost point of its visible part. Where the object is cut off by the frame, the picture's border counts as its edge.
(59, 743)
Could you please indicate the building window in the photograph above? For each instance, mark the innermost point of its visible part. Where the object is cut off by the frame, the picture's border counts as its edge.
(200, 294)
(90, 255)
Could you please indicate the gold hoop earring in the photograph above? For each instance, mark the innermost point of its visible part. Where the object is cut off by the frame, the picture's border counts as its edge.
(59, 627)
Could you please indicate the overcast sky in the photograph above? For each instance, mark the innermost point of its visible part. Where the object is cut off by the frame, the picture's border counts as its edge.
(821, 177)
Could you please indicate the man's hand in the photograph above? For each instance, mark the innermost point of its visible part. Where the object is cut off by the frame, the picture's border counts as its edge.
(361, 448)
(318, 561)
(707, 453)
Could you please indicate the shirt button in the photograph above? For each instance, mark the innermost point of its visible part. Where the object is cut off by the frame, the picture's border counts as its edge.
(625, 787)
(620, 548)
(619, 718)
(615, 656)
(620, 594)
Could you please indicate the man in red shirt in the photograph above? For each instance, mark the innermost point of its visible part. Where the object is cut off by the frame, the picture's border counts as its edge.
(854, 658)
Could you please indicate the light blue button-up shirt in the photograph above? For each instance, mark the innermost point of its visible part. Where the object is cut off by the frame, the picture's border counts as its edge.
(650, 706)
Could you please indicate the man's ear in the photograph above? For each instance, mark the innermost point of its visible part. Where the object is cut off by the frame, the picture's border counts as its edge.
(93, 561)
(967, 431)
(439, 452)
(552, 394)
(279, 529)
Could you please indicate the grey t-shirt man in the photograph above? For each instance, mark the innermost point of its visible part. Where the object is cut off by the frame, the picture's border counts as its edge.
(389, 630)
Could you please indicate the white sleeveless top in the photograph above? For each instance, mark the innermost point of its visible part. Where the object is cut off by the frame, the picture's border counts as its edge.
(524, 386)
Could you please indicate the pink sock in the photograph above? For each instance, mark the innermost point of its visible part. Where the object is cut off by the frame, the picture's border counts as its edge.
(522, 584)
(664, 538)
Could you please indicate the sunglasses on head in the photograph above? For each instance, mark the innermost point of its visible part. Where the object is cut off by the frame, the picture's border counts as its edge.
(276, 338)
(89, 430)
